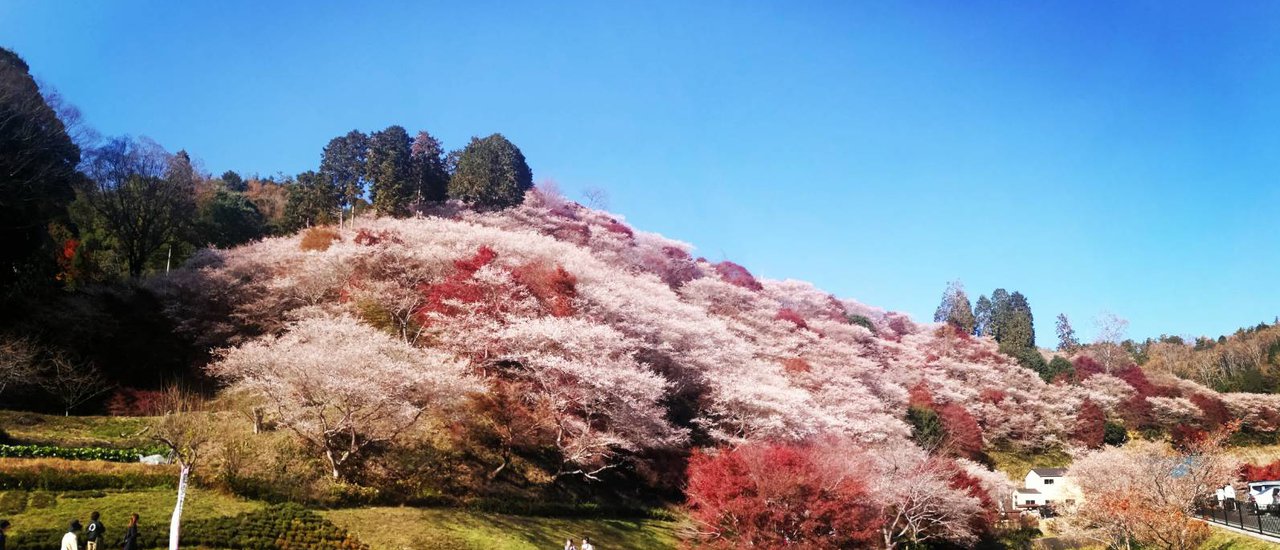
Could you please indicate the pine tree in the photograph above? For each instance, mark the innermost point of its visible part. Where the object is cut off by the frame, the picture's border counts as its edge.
(430, 173)
(982, 316)
(1067, 340)
(343, 165)
(955, 308)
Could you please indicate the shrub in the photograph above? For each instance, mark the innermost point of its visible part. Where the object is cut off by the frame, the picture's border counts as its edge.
(319, 238)
(737, 275)
(13, 502)
(68, 475)
(1114, 434)
(772, 496)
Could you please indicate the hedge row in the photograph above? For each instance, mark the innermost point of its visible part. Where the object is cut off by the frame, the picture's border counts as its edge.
(75, 453)
(50, 478)
(283, 527)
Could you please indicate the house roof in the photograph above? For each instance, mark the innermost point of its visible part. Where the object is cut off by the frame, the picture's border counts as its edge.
(1027, 491)
(1050, 472)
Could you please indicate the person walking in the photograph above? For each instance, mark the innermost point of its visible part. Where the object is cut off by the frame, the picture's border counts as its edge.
(4, 526)
(95, 532)
(69, 540)
(130, 534)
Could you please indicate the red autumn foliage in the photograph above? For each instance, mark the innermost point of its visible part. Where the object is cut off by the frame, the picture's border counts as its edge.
(774, 496)
(554, 288)
(614, 226)
(1215, 411)
(964, 435)
(1091, 425)
(1135, 377)
(458, 286)
(796, 365)
(992, 395)
(737, 275)
(133, 402)
(1185, 438)
(1086, 366)
(1136, 412)
(919, 395)
(788, 314)
(369, 238)
(972, 486)
(1266, 472)
(66, 260)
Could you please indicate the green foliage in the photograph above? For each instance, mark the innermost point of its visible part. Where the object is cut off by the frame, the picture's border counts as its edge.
(12, 502)
(233, 182)
(75, 453)
(982, 316)
(342, 166)
(862, 321)
(1067, 340)
(1056, 366)
(313, 200)
(955, 309)
(1029, 358)
(491, 172)
(229, 218)
(926, 426)
(37, 171)
(389, 170)
(274, 527)
(1114, 434)
(54, 478)
(430, 169)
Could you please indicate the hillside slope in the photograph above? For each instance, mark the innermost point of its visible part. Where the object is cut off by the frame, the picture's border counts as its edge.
(631, 346)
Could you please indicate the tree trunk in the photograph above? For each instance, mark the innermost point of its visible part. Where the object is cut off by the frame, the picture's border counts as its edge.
(175, 522)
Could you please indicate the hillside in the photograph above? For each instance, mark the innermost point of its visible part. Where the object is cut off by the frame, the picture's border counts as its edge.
(636, 348)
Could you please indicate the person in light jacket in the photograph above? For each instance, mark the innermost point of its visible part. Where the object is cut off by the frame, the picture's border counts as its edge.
(69, 540)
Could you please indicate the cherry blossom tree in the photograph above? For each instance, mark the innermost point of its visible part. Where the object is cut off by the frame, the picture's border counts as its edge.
(342, 386)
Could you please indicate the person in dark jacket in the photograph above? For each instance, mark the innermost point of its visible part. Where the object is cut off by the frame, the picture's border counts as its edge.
(4, 526)
(94, 533)
(130, 534)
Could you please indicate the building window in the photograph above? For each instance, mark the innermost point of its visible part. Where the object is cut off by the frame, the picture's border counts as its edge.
(1048, 482)
(1031, 501)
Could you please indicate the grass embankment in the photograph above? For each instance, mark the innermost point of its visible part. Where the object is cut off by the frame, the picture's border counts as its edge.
(117, 432)
(455, 529)
(1226, 540)
(1016, 464)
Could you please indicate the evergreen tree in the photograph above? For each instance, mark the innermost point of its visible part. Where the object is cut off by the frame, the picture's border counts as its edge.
(312, 200)
(233, 182)
(343, 167)
(1013, 324)
(1058, 366)
(491, 172)
(430, 172)
(37, 171)
(389, 170)
(228, 219)
(982, 316)
(926, 427)
(1067, 340)
(955, 309)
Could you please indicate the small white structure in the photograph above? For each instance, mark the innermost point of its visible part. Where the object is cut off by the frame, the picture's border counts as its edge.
(1265, 493)
(1046, 486)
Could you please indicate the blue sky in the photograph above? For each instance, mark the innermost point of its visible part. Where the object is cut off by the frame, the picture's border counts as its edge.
(1095, 156)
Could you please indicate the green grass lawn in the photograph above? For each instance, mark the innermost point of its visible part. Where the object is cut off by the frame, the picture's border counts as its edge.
(452, 529)
(76, 431)
(32, 510)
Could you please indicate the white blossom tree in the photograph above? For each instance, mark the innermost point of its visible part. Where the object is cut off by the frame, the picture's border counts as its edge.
(342, 386)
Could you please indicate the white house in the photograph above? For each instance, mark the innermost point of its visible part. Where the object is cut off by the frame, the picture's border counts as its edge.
(1044, 486)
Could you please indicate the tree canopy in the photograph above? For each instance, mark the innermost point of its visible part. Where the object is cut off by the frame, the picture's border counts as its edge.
(491, 171)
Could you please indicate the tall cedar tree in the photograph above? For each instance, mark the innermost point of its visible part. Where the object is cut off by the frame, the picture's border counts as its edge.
(982, 316)
(1067, 340)
(491, 172)
(37, 171)
(342, 165)
(430, 171)
(955, 308)
(390, 172)
(313, 200)
(1012, 324)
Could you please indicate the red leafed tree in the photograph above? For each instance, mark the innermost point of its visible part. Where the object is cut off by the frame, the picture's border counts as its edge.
(1266, 472)
(790, 315)
(919, 395)
(554, 288)
(1184, 437)
(1091, 424)
(1086, 366)
(1135, 377)
(774, 496)
(964, 436)
(458, 286)
(1215, 411)
(735, 274)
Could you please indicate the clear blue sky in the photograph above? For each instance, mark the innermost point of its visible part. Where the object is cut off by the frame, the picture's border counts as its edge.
(1095, 156)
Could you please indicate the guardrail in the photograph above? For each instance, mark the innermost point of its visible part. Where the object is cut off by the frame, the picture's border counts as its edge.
(1237, 516)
